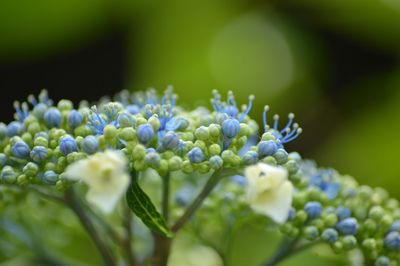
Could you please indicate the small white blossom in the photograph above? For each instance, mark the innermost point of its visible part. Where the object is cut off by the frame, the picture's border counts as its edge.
(106, 176)
(268, 191)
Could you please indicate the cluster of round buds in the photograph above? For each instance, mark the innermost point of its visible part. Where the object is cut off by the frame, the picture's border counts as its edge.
(333, 208)
(152, 131)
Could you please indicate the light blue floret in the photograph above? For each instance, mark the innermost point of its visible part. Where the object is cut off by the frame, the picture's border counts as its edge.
(89, 144)
(52, 117)
(145, 133)
(75, 118)
(313, 209)
(20, 149)
(39, 154)
(67, 145)
(348, 226)
(196, 155)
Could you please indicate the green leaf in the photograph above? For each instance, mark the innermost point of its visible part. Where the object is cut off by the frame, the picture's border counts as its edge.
(141, 205)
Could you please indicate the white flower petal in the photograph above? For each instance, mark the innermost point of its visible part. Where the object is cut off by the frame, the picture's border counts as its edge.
(277, 204)
(104, 202)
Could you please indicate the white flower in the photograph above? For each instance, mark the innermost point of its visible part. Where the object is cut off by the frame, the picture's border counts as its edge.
(268, 191)
(106, 176)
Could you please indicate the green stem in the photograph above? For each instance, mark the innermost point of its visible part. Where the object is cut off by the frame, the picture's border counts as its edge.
(287, 249)
(165, 196)
(74, 204)
(208, 187)
(162, 250)
(127, 243)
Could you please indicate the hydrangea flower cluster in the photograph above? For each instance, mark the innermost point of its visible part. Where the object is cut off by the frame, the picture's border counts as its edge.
(59, 144)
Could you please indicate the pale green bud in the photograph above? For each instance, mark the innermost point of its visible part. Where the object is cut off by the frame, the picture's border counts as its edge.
(244, 130)
(140, 121)
(23, 180)
(41, 141)
(110, 132)
(215, 130)
(349, 242)
(270, 160)
(187, 167)
(154, 122)
(30, 169)
(65, 105)
(267, 136)
(175, 163)
(202, 133)
(127, 134)
(311, 233)
(214, 149)
(139, 152)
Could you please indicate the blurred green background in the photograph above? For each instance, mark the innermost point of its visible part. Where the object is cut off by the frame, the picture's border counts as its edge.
(334, 63)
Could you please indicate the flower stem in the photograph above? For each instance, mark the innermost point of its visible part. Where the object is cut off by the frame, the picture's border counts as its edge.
(162, 250)
(127, 241)
(165, 196)
(74, 204)
(208, 187)
(288, 248)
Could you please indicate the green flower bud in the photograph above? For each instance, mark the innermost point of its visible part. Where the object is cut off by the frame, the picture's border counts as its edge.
(337, 247)
(267, 136)
(244, 130)
(154, 122)
(270, 160)
(201, 144)
(370, 226)
(23, 180)
(139, 152)
(242, 141)
(292, 166)
(330, 219)
(163, 168)
(82, 130)
(369, 244)
(214, 130)
(281, 156)
(34, 128)
(376, 213)
(41, 141)
(140, 121)
(175, 163)
(214, 149)
(30, 169)
(216, 162)
(349, 242)
(311, 233)
(204, 167)
(127, 134)
(202, 133)
(110, 132)
(187, 167)
(139, 165)
(65, 105)
(300, 217)
(8, 175)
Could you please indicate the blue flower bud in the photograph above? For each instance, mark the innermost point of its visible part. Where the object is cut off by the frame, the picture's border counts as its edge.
(20, 149)
(39, 154)
(343, 213)
(75, 118)
(145, 133)
(3, 131)
(39, 110)
(41, 134)
(382, 261)
(250, 157)
(89, 144)
(14, 128)
(67, 145)
(50, 178)
(281, 156)
(216, 162)
(267, 148)
(125, 120)
(392, 241)
(230, 128)
(8, 175)
(176, 123)
(184, 195)
(152, 158)
(313, 209)
(52, 117)
(348, 226)
(238, 179)
(170, 141)
(395, 226)
(3, 159)
(196, 155)
(330, 235)
(133, 109)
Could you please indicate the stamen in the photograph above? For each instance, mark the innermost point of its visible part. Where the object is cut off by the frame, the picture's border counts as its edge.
(266, 109)
(276, 120)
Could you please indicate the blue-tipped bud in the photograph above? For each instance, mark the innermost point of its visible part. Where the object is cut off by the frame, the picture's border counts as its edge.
(343, 212)
(67, 145)
(395, 226)
(14, 128)
(330, 235)
(133, 109)
(39, 110)
(52, 117)
(392, 241)
(8, 175)
(267, 148)
(176, 123)
(348, 226)
(125, 120)
(152, 158)
(3, 159)
(89, 144)
(75, 118)
(170, 141)
(145, 133)
(39, 154)
(313, 209)
(20, 149)
(230, 128)
(50, 177)
(196, 155)
(281, 156)
(216, 162)
(250, 157)
(184, 196)
(238, 179)
(382, 261)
